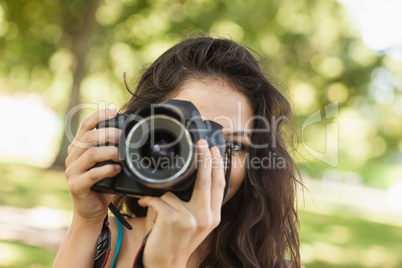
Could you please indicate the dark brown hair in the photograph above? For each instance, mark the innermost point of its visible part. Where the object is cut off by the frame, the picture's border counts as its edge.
(259, 223)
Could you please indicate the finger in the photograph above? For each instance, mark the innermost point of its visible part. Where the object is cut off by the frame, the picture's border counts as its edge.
(93, 120)
(202, 185)
(92, 156)
(174, 211)
(92, 138)
(173, 201)
(161, 208)
(98, 136)
(218, 180)
(82, 184)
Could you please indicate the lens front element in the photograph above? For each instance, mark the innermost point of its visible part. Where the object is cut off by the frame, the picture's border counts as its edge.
(159, 151)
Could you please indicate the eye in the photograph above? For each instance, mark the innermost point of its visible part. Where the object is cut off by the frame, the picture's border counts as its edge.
(237, 146)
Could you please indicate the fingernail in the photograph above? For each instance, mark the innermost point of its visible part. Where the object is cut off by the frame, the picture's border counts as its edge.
(202, 143)
(112, 110)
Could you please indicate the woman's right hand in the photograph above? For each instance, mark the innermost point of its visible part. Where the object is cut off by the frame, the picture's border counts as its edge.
(83, 154)
(179, 227)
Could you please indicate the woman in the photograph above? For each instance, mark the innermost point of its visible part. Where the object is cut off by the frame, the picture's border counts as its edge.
(256, 225)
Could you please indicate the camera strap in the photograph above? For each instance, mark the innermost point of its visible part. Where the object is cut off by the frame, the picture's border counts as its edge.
(228, 168)
(104, 240)
(120, 217)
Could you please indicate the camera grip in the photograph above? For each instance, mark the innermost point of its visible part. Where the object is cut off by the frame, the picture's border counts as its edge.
(105, 185)
(117, 122)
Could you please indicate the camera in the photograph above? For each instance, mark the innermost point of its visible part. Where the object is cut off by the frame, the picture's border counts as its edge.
(157, 149)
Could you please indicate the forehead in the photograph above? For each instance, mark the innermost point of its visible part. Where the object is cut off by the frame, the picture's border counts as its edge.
(218, 101)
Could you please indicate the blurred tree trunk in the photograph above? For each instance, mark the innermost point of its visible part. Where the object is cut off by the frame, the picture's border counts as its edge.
(79, 27)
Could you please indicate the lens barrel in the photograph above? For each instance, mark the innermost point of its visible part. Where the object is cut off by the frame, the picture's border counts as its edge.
(159, 151)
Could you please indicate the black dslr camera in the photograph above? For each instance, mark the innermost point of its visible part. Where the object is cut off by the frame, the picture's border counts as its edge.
(157, 149)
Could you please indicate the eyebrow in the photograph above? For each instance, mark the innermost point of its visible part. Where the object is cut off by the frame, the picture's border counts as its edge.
(238, 133)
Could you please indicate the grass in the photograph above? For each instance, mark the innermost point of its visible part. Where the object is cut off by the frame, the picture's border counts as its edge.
(17, 254)
(338, 240)
(27, 187)
(347, 241)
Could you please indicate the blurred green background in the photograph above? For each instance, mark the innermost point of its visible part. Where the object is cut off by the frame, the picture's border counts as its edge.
(339, 62)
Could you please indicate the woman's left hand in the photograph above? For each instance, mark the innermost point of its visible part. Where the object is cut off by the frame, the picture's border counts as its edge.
(180, 227)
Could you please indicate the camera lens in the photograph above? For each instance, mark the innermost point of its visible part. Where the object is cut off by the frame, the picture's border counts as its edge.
(159, 152)
(161, 149)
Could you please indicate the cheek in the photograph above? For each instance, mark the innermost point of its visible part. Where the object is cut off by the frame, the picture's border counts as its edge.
(237, 174)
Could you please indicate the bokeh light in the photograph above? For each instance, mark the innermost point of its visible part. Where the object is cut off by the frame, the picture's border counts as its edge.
(383, 32)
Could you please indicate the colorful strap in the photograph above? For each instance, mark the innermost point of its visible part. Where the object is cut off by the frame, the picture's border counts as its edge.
(138, 258)
(118, 242)
(103, 247)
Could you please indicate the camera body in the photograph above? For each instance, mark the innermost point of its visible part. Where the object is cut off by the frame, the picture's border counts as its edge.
(157, 149)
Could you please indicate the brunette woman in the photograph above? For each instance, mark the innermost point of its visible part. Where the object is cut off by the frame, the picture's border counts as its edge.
(256, 225)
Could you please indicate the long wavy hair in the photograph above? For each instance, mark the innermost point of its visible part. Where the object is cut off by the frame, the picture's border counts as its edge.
(259, 224)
